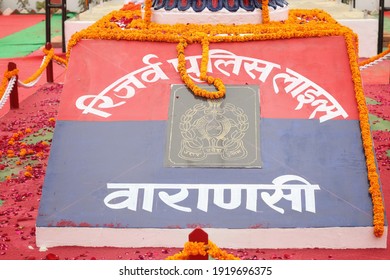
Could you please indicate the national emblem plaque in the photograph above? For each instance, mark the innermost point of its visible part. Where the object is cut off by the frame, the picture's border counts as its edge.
(214, 133)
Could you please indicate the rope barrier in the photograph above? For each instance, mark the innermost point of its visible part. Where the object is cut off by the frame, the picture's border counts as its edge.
(7, 91)
(10, 77)
(375, 59)
(34, 82)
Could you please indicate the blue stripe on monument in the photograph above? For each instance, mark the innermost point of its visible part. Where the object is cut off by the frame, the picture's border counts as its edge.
(85, 156)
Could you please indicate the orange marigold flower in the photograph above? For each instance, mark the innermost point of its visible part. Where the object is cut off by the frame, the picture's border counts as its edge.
(28, 174)
(22, 152)
(27, 130)
(40, 154)
(10, 153)
(18, 162)
(28, 168)
(52, 120)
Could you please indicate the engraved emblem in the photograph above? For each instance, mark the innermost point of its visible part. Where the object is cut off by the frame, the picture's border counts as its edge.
(214, 128)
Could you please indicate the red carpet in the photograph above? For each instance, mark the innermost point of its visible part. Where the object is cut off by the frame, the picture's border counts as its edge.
(14, 23)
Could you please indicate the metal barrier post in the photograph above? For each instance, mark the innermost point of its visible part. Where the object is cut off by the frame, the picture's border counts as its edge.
(382, 10)
(380, 25)
(60, 4)
(14, 95)
(48, 20)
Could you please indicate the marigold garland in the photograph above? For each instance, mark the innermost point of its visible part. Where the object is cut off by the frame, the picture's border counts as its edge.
(55, 57)
(203, 72)
(376, 57)
(265, 11)
(9, 74)
(148, 11)
(4, 83)
(49, 57)
(200, 248)
(368, 145)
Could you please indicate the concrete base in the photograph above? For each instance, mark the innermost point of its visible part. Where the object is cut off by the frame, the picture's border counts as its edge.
(332, 238)
(365, 27)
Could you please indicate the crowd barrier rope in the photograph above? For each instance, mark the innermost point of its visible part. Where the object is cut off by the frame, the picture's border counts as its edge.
(11, 81)
(375, 59)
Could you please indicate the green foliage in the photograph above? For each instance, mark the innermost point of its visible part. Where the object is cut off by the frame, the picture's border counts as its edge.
(40, 5)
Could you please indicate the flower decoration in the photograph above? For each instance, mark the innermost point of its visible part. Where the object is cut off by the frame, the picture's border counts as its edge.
(200, 248)
(265, 11)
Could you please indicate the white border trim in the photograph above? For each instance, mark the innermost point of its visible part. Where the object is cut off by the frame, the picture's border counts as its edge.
(276, 238)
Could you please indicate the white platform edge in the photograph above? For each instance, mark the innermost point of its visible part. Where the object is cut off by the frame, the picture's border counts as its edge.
(278, 238)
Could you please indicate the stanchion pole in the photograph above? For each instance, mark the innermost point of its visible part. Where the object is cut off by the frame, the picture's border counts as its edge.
(14, 95)
(49, 69)
(48, 20)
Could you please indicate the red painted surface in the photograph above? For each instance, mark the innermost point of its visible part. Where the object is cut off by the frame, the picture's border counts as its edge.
(95, 67)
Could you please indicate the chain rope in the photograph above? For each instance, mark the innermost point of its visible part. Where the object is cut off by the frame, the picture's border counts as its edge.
(7, 91)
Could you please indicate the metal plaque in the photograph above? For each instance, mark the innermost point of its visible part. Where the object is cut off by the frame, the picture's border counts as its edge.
(221, 132)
